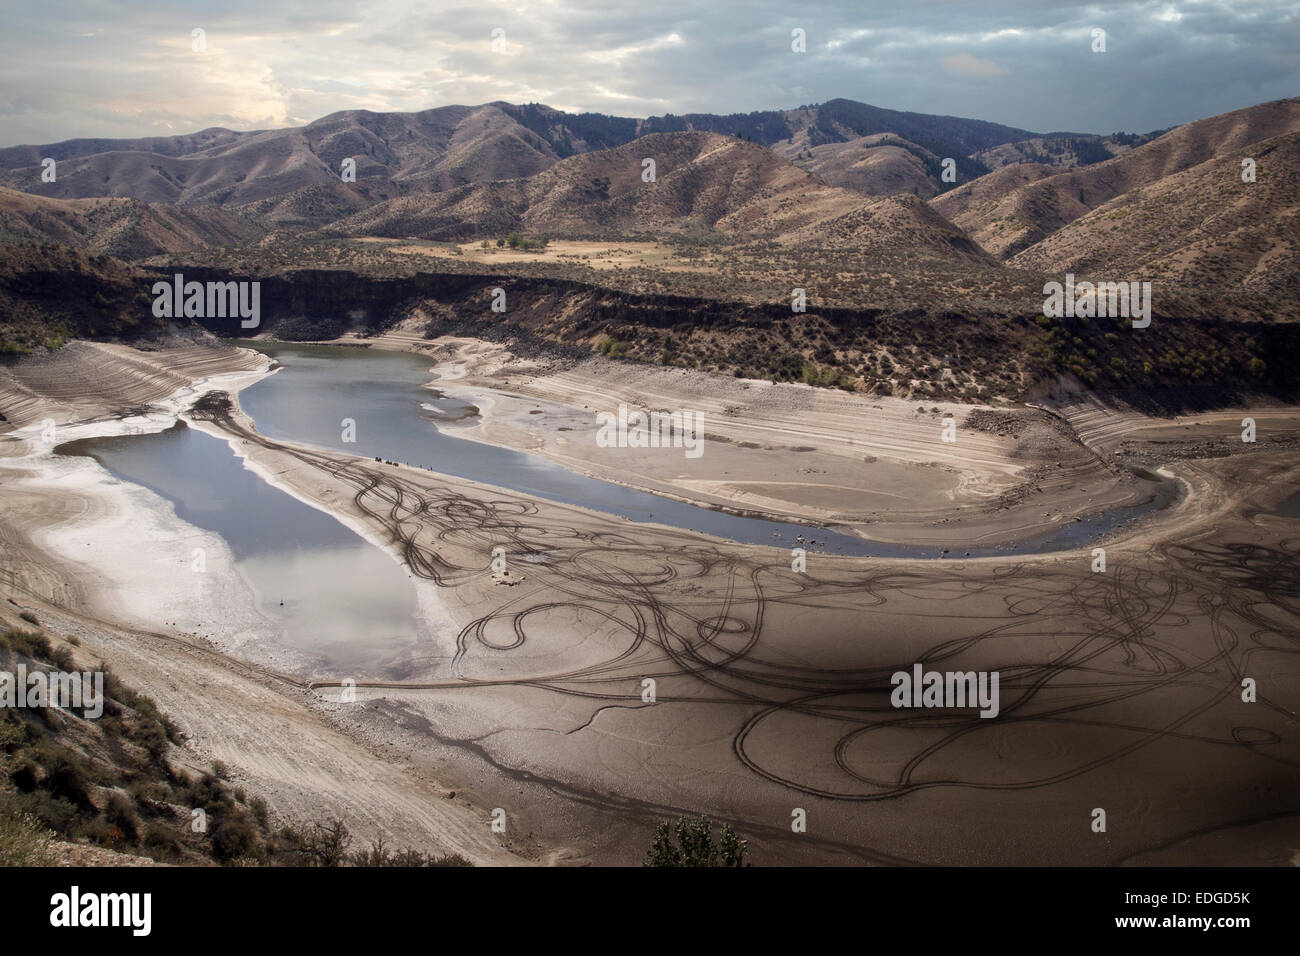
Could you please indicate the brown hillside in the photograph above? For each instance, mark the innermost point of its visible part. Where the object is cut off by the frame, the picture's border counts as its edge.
(124, 228)
(1015, 220)
(705, 183)
(1234, 246)
(898, 230)
(877, 165)
(393, 151)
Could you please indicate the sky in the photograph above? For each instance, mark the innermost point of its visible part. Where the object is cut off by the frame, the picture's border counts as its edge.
(92, 68)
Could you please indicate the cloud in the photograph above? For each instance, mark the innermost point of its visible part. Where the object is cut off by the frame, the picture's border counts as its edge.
(72, 68)
(967, 65)
(619, 56)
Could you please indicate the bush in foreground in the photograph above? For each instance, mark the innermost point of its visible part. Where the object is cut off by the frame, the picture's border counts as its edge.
(694, 845)
(24, 841)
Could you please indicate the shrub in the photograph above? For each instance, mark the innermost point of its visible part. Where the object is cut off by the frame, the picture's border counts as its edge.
(24, 840)
(57, 813)
(258, 806)
(613, 347)
(695, 846)
(380, 855)
(100, 831)
(152, 737)
(121, 813)
(161, 841)
(29, 643)
(234, 838)
(326, 844)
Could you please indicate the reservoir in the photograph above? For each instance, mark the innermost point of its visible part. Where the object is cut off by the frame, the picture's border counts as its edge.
(383, 392)
(330, 578)
(318, 387)
(343, 598)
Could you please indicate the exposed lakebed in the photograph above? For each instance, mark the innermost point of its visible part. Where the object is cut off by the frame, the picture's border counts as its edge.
(330, 578)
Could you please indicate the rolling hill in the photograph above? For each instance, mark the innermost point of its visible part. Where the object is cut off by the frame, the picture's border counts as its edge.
(1233, 245)
(704, 183)
(841, 120)
(878, 165)
(393, 152)
(1064, 149)
(124, 228)
(292, 176)
(1006, 218)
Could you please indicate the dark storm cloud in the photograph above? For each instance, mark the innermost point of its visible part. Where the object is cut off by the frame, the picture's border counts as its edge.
(93, 69)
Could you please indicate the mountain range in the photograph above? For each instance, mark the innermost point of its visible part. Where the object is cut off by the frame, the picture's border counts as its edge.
(871, 209)
(292, 175)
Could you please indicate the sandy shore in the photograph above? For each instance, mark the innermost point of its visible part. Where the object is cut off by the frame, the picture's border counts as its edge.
(771, 688)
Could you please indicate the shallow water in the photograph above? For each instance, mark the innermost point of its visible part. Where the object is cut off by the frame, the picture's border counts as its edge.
(342, 597)
(318, 387)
